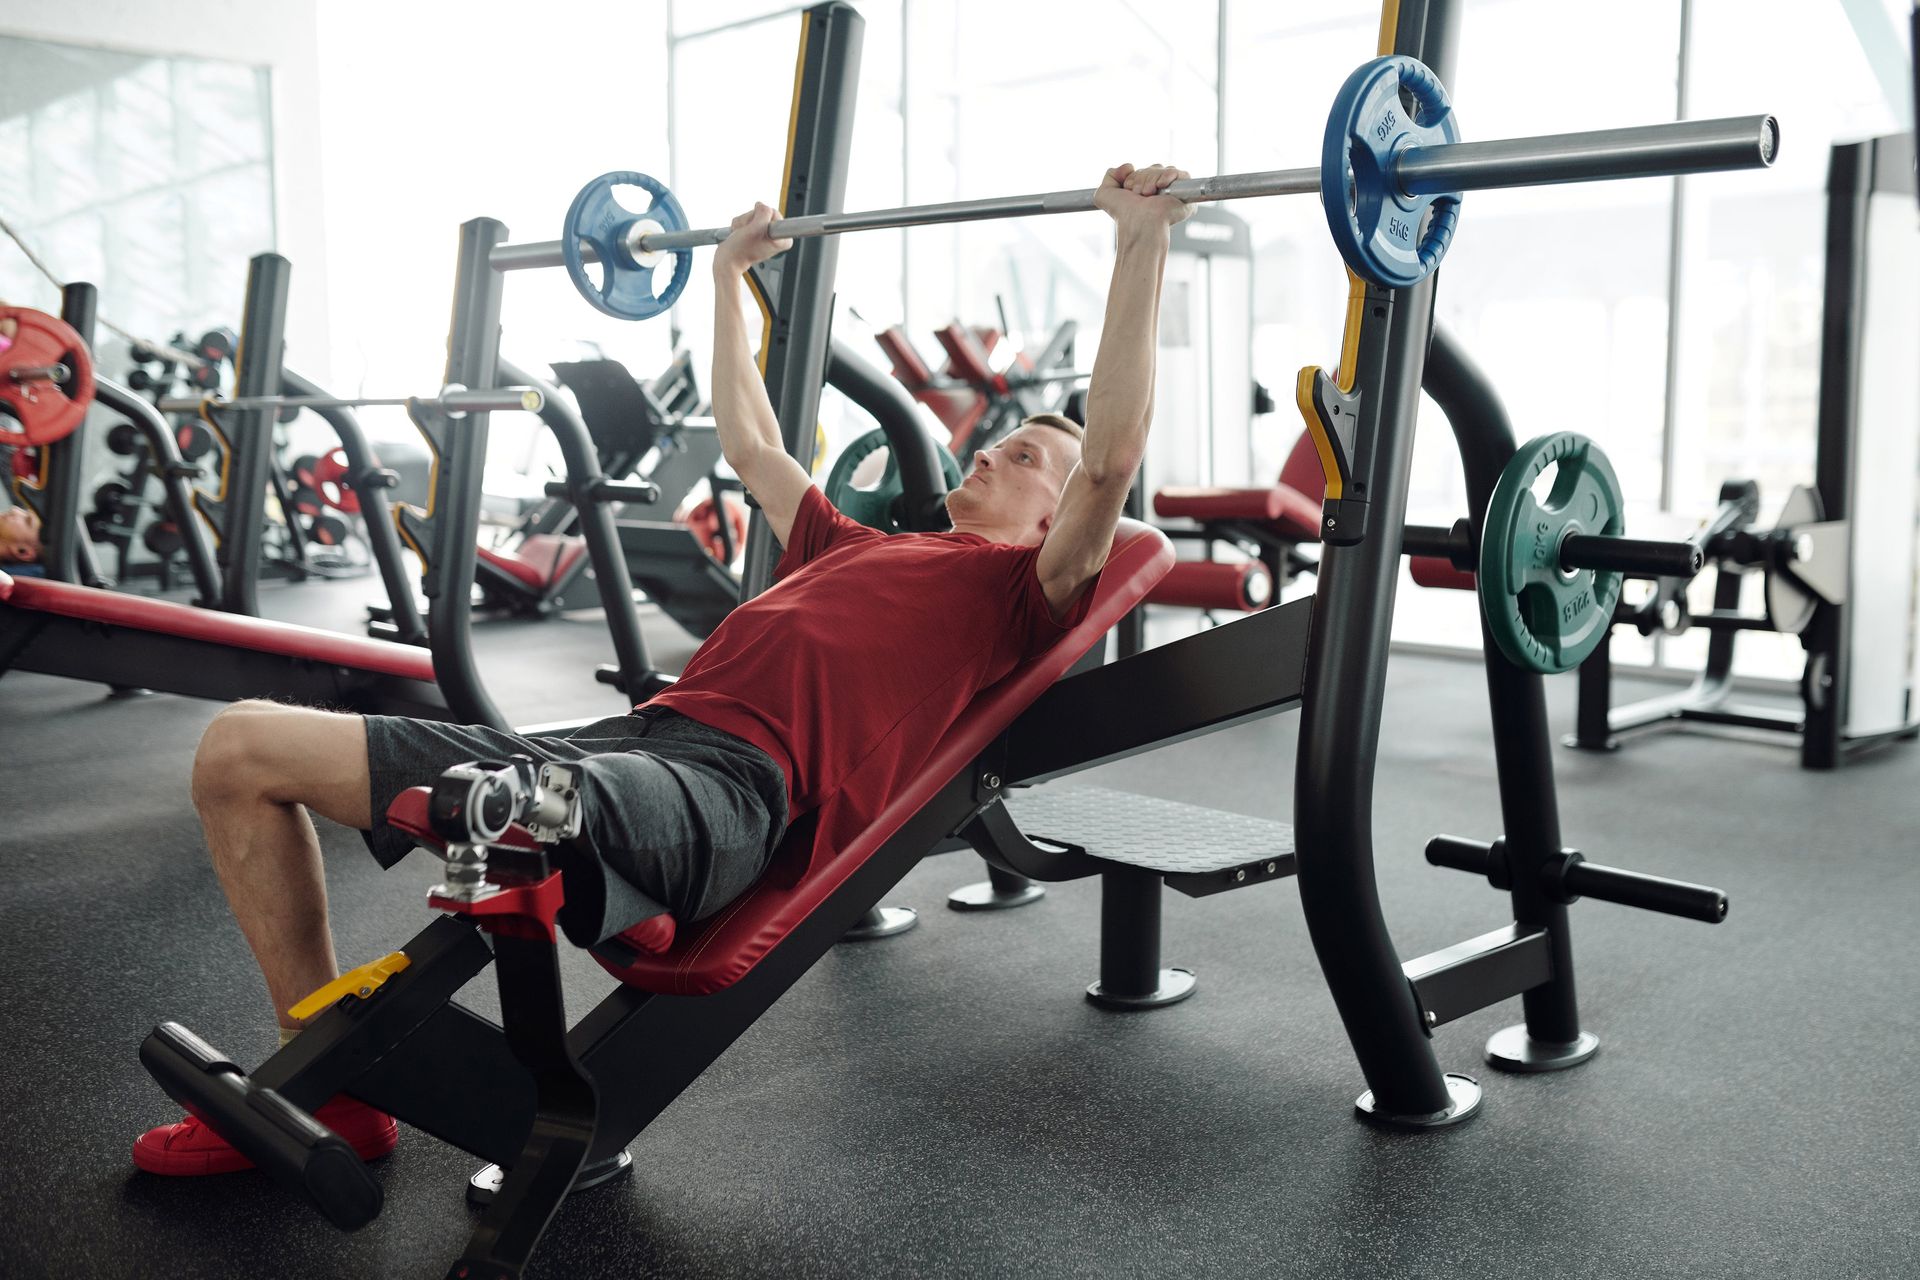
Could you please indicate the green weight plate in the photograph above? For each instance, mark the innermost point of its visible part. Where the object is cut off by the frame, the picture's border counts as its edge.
(1543, 617)
(875, 507)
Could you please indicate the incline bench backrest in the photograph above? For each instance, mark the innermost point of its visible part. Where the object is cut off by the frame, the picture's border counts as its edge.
(716, 953)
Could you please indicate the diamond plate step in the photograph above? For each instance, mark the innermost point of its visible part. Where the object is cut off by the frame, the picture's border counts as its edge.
(1198, 850)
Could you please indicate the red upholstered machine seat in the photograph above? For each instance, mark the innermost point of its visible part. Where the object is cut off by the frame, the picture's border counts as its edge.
(720, 951)
(1292, 504)
(1295, 513)
(539, 561)
(908, 366)
(91, 604)
(967, 357)
(6, 585)
(1433, 571)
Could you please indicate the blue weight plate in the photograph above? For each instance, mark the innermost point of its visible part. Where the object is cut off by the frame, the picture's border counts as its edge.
(598, 218)
(1375, 224)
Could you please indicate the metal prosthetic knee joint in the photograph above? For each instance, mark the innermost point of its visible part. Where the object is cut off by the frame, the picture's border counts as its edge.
(475, 805)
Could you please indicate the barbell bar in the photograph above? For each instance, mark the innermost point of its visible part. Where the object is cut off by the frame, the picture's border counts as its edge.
(1644, 151)
(453, 401)
(1629, 557)
(1391, 174)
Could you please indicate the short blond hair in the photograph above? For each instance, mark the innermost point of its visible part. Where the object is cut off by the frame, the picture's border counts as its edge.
(1059, 422)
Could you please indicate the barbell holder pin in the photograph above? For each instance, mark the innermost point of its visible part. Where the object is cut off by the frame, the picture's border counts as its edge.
(41, 373)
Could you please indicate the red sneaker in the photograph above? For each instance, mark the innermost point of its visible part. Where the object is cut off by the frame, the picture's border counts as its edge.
(190, 1148)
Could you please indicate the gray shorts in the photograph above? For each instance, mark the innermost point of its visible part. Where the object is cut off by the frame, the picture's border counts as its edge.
(683, 816)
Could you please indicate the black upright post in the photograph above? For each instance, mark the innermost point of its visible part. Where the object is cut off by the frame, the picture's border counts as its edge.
(383, 540)
(1843, 319)
(63, 532)
(1593, 711)
(796, 294)
(473, 356)
(1529, 807)
(249, 432)
(594, 520)
(1344, 692)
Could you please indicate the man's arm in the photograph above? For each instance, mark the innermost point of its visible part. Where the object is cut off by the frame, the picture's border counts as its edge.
(1120, 395)
(742, 415)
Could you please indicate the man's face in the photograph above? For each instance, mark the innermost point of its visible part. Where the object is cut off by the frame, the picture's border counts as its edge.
(1018, 481)
(19, 536)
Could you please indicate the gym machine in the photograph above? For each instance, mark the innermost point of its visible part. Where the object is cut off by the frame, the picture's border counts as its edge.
(1838, 562)
(57, 626)
(977, 403)
(557, 1107)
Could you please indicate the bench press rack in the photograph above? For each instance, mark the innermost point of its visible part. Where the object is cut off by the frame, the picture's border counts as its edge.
(558, 1105)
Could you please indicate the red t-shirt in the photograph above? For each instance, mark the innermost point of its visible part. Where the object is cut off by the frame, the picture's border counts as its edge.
(867, 645)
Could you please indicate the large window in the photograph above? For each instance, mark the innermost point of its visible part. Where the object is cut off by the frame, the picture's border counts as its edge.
(1677, 323)
(498, 111)
(1021, 97)
(955, 101)
(151, 178)
(733, 76)
(1747, 367)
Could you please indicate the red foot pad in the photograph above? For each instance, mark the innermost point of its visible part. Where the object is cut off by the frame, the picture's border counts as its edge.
(191, 1149)
(1208, 584)
(967, 357)
(1432, 571)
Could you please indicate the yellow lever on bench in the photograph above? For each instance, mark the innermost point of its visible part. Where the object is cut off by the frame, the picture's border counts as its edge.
(361, 982)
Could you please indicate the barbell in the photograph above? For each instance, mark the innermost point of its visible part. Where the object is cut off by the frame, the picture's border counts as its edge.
(455, 402)
(1383, 169)
(46, 386)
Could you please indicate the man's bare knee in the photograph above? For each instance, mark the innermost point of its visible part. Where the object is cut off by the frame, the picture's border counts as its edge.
(265, 751)
(228, 765)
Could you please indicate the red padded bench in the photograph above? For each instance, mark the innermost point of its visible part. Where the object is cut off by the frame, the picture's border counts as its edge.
(1292, 506)
(115, 608)
(1215, 584)
(1287, 512)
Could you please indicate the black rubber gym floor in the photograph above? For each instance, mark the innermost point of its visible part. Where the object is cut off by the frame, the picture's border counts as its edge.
(946, 1103)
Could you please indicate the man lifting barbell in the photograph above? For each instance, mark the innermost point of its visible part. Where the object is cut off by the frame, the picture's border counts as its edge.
(684, 800)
